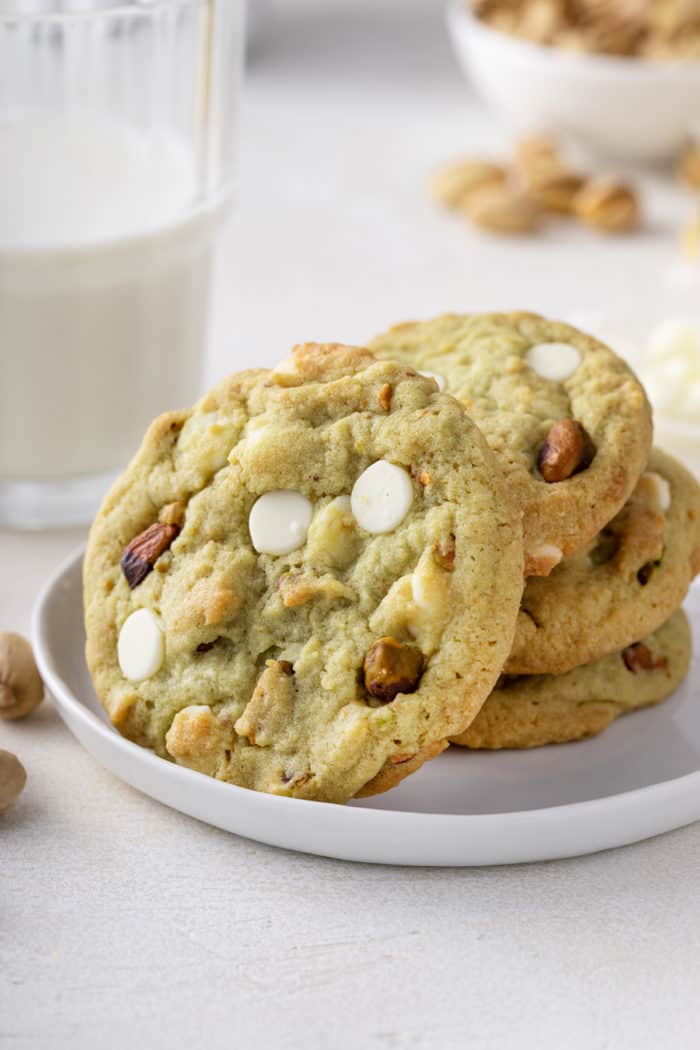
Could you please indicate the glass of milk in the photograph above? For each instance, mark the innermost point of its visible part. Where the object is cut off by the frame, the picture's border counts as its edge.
(116, 141)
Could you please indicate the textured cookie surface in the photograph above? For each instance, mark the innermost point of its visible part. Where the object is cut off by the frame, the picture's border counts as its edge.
(534, 710)
(567, 418)
(636, 572)
(342, 664)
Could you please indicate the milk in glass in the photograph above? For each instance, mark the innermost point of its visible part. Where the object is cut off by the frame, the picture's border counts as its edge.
(104, 263)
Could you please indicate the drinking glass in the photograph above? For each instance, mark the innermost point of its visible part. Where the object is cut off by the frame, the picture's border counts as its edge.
(117, 131)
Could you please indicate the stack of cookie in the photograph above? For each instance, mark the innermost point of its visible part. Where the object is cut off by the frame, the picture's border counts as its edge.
(311, 581)
(599, 631)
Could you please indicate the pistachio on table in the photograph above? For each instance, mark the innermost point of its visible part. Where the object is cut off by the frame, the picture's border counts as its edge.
(12, 779)
(607, 205)
(453, 183)
(21, 687)
(513, 198)
(501, 209)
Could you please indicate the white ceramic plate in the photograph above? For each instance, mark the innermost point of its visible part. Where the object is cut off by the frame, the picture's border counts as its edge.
(639, 778)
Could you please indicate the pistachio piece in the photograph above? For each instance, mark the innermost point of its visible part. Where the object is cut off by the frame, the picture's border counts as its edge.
(607, 205)
(297, 588)
(391, 668)
(567, 449)
(142, 553)
(541, 19)
(384, 396)
(444, 552)
(638, 657)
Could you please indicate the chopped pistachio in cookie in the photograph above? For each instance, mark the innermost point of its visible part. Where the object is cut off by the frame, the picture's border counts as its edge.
(635, 573)
(534, 710)
(306, 583)
(567, 418)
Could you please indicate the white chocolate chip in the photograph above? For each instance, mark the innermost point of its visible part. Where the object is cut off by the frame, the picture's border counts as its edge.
(140, 647)
(553, 360)
(279, 521)
(430, 587)
(440, 380)
(662, 489)
(381, 497)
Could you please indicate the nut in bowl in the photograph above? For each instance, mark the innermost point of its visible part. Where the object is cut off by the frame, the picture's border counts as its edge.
(630, 107)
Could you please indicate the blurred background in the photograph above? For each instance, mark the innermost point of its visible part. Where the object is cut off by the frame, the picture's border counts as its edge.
(394, 159)
(348, 106)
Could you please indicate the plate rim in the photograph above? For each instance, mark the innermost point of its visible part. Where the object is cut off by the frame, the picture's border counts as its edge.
(618, 804)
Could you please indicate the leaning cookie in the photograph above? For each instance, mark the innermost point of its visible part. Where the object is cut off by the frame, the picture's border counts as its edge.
(567, 418)
(627, 584)
(304, 585)
(534, 710)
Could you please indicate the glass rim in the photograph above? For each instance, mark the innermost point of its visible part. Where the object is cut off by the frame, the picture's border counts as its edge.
(108, 9)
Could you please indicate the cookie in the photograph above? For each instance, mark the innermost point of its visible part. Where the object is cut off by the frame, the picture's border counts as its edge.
(534, 710)
(636, 572)
(569, 421)
(307, 582)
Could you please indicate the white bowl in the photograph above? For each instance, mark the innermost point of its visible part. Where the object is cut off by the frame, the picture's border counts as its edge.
(628, 108)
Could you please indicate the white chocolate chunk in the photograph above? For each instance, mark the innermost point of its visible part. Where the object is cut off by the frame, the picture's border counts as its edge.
(140, 648)
(429, 585)
(555, 361)
(286, 367)
(417, 604)
(662, 489)
(671, 368)
(675, 336)
(440, 380)
(286, 372)
(333, 535)
(542, 558)
(381, 497)
(279, 521)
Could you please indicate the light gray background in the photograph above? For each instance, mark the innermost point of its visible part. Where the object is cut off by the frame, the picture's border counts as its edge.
(123, 924)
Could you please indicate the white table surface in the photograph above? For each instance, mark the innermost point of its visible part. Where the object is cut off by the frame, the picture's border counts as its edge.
(123, 923)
